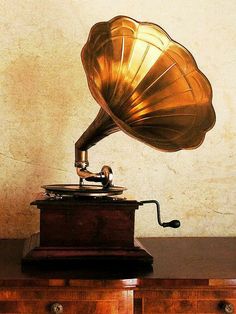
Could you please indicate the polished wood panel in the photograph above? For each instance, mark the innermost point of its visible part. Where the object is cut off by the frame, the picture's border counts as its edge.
(86, 223)
(86, 231)
(166, 301)
(193, 258)
(177, 262)
(73, 301)
(39, 307)
(189, 275)
(194, 300)
(212, 307)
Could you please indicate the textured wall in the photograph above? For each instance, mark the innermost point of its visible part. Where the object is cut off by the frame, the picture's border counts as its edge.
(45, 105)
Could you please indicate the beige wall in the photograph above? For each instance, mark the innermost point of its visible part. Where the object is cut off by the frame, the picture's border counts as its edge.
(45, 105)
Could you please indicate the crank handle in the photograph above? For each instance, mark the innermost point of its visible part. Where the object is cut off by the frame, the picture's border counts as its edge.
(172, 224)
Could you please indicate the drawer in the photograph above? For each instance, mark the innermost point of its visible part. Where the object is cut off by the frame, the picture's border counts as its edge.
(81, 307)
(202, 301)
(216, 301)
(71, 301)
(165, 301)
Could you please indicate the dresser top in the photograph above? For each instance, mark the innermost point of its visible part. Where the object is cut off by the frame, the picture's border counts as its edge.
(177, 262)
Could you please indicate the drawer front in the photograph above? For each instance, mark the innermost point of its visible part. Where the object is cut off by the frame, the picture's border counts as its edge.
(199, 301)
(71, 301)
(83, 307)
(165, 301)
(216, 301)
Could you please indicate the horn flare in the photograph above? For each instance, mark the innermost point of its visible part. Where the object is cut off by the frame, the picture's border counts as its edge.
(147, 84)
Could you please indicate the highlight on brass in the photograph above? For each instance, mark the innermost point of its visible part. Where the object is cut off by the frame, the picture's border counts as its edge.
(147, 85)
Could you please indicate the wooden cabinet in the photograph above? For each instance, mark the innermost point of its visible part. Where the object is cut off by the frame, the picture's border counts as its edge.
(189, 275)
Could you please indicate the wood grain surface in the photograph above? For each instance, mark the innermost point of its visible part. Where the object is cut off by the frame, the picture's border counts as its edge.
(189, 275)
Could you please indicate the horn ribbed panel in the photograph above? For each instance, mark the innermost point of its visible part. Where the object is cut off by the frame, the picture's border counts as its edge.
(148, 84)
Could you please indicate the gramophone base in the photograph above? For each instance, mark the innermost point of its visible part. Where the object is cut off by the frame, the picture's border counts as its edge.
(77, 256)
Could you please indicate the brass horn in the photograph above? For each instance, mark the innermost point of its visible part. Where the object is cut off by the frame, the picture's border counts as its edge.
(147, 85)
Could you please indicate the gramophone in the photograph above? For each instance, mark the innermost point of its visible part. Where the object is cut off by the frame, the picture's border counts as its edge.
(148, 86)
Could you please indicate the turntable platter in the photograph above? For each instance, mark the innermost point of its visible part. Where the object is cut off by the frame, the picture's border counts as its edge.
(76, 190)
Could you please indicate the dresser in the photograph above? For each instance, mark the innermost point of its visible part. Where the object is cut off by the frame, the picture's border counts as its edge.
(189, 275)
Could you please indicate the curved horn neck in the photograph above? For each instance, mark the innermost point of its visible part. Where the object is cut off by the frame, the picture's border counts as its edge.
(101, 127)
